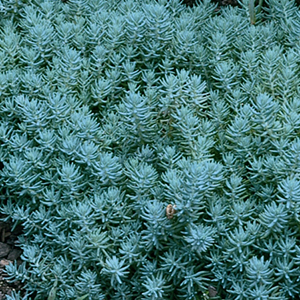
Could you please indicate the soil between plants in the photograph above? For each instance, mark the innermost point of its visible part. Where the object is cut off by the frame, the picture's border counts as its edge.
(9, 253)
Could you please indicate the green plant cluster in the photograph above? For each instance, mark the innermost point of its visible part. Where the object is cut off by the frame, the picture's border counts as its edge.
(112, 110)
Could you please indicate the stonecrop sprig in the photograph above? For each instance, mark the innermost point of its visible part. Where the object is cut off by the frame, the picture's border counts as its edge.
(151, 150)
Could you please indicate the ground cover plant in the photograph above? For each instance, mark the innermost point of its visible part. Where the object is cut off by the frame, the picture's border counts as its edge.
(151, 150)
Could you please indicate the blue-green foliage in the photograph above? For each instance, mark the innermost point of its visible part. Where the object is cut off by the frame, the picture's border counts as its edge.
(112, 110)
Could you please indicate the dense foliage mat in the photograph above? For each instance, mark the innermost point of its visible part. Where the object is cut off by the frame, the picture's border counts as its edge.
(151, 150)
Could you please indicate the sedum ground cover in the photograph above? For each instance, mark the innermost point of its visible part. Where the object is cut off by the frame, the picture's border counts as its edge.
(151, 150)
